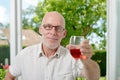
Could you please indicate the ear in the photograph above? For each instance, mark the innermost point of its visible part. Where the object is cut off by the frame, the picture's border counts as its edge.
(64, 34)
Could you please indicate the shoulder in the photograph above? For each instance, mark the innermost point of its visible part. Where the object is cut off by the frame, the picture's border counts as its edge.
(29, 50)
(65, 51)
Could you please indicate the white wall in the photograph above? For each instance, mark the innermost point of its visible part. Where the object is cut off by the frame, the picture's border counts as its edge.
(15, 28)
(113, 39)
(118, 41)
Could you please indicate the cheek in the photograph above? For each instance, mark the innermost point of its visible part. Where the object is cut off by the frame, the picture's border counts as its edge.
(61, 36)
(43, 32)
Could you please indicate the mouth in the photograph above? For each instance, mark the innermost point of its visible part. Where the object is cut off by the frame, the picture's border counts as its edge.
(52, 38)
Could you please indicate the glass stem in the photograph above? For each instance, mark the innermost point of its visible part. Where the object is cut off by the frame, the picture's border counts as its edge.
(76, 68)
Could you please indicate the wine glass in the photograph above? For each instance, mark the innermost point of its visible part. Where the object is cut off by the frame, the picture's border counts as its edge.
(75, 52)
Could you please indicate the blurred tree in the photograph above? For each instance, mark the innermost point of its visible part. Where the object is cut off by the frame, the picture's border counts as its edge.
(81, 16)
(27, 16)
(6, 25)
(1, 25)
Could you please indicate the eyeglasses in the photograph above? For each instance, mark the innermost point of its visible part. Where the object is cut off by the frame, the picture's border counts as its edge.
(50, 27)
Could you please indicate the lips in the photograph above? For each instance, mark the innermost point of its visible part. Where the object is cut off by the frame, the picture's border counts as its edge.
(52, 38)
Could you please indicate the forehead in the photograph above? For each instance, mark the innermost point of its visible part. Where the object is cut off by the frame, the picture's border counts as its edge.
(53, 19)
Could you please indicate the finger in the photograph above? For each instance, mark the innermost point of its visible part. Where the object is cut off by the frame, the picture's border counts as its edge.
(67, 46)
(83, 57)
(73, 46)
(86, 46)
(84, 51)
(86, 56)
(85, 41)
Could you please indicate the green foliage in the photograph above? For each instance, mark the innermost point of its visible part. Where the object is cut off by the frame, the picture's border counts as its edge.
(80, 78)
(27, 21)
(2, 74)
(4, 53)
(80, 15)
(100, 58)
(103, 78)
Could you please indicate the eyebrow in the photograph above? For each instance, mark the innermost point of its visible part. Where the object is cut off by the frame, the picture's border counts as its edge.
(52, 25)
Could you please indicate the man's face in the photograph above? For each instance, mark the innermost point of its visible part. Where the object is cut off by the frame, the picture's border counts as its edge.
(52, 31)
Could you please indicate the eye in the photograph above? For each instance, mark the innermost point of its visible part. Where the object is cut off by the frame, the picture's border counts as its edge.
(59, 28)
(48, 27)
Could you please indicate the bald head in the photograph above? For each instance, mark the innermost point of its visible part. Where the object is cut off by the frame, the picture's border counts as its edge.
(53, 18)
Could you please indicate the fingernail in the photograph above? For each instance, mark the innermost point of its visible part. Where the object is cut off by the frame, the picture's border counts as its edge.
(83, 57)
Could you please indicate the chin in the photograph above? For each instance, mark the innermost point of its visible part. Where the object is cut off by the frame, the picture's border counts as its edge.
(52, 46)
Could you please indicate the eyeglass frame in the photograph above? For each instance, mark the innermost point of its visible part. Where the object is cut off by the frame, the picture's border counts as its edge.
(50, 27)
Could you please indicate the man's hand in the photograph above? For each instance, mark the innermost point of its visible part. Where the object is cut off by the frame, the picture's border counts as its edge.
(85, 49)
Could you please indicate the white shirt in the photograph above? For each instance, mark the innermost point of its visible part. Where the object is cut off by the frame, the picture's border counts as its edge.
(32, 64)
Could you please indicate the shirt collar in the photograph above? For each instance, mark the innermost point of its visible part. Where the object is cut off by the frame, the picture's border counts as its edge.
(40, 51)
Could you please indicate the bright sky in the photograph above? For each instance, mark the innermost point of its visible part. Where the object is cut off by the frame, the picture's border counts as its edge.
(5, 8)
(4, 11)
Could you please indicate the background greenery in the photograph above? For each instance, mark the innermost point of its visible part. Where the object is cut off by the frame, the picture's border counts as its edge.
(100, 57)
(4, 53)
(2, 74)
(81, 16)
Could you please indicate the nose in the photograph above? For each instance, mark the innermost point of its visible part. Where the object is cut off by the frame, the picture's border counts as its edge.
(53, 31)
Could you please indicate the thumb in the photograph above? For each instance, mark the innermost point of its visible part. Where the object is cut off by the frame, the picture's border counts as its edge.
(67, 46)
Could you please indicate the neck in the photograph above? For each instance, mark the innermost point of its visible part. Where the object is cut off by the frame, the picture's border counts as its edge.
(48, 52)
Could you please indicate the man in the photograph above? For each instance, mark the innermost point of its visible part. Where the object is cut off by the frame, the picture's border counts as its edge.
(49, 60)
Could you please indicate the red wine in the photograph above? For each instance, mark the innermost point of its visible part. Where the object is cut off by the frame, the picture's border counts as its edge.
(75, 53)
